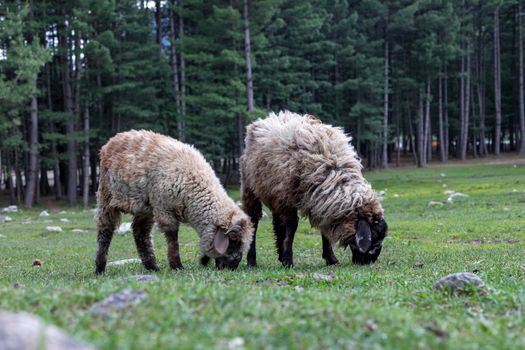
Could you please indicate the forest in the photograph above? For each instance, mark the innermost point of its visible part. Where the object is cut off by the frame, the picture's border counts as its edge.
(412, 81)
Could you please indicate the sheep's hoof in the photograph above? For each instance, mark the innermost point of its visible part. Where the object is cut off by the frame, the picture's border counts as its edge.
(332, 261)
(287, 263)
(152, 267)
(177, 267)
(100, 270)
(252, 264)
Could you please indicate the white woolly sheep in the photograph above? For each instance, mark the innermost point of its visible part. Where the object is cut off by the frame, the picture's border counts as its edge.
(293, 162)
(159, 179)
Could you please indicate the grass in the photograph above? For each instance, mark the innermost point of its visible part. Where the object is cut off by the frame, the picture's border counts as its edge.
(388, 305)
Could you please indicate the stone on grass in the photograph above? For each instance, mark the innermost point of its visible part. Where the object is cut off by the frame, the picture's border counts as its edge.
(79, 230)
(22, 331)
(118, 301)
(236, 343)
(124, 227)
(324, 277)
(434, 204)
(2, 236)
(4, 219)
(44, 213)
(460, 283)
(64, 220)
(53, 229)
(123, 262)
(140, 278)
(10, 209)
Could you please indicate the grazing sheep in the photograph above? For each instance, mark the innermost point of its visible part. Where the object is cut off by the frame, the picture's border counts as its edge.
(294, 162)
(159, 179)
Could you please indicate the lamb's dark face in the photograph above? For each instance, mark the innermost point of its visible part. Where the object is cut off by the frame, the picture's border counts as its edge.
(368, 241)
(228, 244)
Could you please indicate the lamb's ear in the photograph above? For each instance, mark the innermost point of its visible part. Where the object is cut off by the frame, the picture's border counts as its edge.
(363, 236)
(221, 241)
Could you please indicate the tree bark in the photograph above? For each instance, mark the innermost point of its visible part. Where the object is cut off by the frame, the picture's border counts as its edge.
(85, 184)
(446, 139)
(520, 74)
(421, 154)
(175, 68)
(70, 124)
(249, 76)
(497, 83)
(440, 119)
(54, 152)
(33, 152)
(384, 158)
(428, 127)
(466, 107)
(182, 72)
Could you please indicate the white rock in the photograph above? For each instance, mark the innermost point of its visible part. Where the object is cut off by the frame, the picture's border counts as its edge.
(396, 195)
(444, 185)
(5, 219)
(53, 229)
(140, 278)
(124, 227)
(443, 174)
(450, 198)
(118, 301)
(2, 236)
(10, 209)
(64, 220)
(123, 262)
(23, 331)
(449, 192)
(434, 204)
(299, 289)
(79, 230)
(44, 213)
(236, 343)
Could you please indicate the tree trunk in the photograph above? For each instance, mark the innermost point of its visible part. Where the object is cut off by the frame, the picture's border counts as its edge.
(182, 72)
(520, 74)
(70, 124)
(440, 120)
(421, 154)
(466, 106)
(428, 127)
(85, 184)
(54, 153)
(33, 152)
(497, 83)
(446, 139)
(384, 158)
(175, 68)
(249, 77)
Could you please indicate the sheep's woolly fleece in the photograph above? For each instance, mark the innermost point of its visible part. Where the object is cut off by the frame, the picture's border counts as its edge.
(145, 172)
(295, 161)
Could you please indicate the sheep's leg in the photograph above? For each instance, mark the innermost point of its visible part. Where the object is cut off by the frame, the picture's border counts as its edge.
(253, 207)
(279, 230)
(285, 226)
(172, 238)
(142, 224)
(328, 252)
(107, 221)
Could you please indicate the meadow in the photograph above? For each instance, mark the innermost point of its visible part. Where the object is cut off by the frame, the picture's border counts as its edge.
(388, 305)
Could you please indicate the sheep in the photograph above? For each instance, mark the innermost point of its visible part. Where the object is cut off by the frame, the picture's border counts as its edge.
(293, 162)
(159, 179)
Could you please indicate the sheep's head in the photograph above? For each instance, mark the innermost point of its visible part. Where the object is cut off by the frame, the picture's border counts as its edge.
(229, 243)
(364, 232)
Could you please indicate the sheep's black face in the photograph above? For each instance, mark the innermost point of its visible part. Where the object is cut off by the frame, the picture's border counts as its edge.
(232, 258)
(368, 241)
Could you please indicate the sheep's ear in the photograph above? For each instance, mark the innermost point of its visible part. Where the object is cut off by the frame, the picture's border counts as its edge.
(234, 232)
(221, 241)
(363, 236)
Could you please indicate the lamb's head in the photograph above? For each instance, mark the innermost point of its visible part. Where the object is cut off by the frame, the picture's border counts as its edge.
(364, 231)
(230, 242)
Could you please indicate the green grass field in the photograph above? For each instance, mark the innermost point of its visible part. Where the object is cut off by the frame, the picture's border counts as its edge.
(388, 305)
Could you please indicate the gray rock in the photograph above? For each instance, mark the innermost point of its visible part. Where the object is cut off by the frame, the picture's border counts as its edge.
(22, 331)
(44, 213)
(322, 277)
(53, 229)
(10, 209)
(460, 283)
(141, 278)
(79, 230)
(123, 262)
(118, 301)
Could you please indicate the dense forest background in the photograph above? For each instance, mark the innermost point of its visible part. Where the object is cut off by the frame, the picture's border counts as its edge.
(410, 80)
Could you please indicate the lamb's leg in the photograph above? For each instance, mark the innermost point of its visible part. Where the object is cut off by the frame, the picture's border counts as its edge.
(285, 226)
(142, 224)
(107, 221)
(253, 207)
(172, 238)
(328, 252)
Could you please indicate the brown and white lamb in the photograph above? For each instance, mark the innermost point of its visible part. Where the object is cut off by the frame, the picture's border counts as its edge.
(159, 179)
(293, 162)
